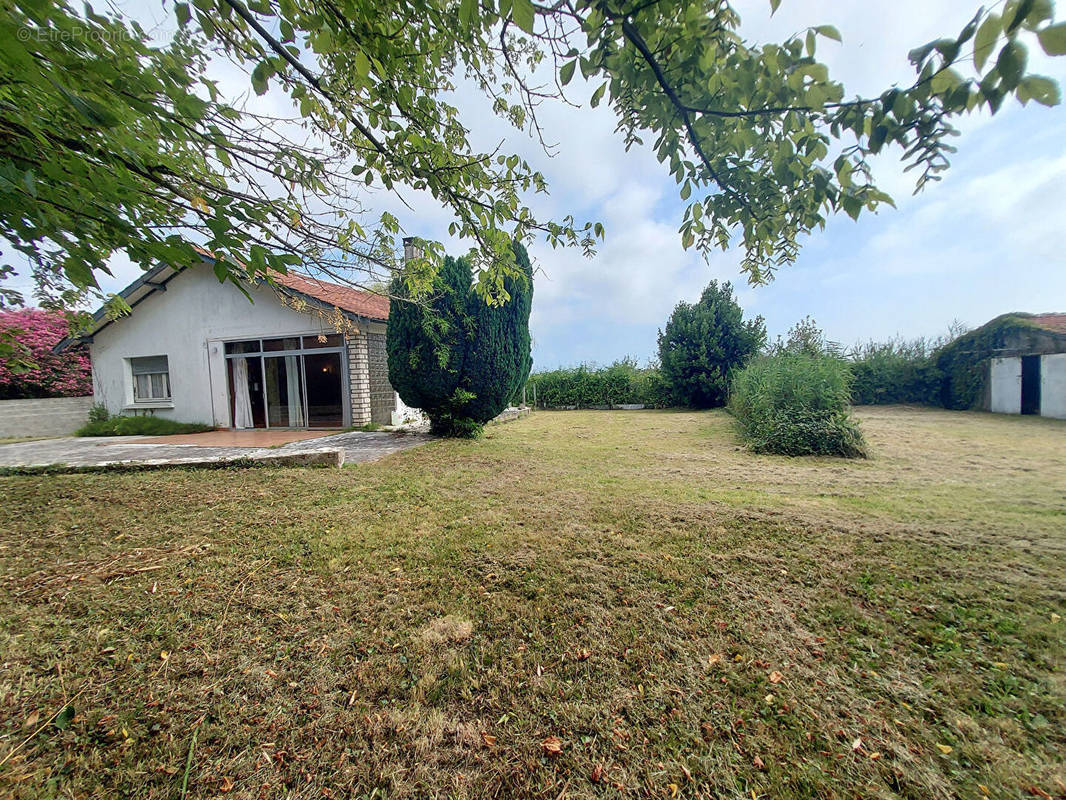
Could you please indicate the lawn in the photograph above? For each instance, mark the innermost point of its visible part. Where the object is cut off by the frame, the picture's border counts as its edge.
(615, 604)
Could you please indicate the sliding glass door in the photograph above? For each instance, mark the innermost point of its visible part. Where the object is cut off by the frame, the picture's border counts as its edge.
(293, 382)
(325, 399)
(284, 392)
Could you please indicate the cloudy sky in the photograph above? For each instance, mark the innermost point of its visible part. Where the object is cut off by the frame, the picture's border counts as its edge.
(982, 242)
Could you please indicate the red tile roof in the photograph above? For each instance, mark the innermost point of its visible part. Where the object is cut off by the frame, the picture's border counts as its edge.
(1050, 322)
(364, 304)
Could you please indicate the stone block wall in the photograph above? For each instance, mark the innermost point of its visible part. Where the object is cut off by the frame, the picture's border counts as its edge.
(53, 416)
(382, 395)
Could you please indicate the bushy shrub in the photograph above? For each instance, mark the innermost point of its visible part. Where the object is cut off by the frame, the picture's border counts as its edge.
(896, 371)
(704, 343)
(458, 359)
(621, 383)
(99, 413)
(138, 426)
(796, 404)
(48, 374)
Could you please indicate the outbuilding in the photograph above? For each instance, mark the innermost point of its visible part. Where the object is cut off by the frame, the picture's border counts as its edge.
(1015, 364)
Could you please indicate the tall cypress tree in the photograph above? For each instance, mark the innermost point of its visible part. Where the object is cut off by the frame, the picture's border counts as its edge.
(499, 355)
(457, 358)
(426, 338)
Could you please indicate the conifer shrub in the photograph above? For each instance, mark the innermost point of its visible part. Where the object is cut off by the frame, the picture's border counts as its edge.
(454, 356)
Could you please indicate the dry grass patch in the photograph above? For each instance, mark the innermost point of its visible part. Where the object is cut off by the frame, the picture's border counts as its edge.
(446, 630)
(683, 617)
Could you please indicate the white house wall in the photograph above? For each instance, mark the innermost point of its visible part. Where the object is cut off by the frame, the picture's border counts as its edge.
(1006, 381)
(1053, 386)
(188, 324)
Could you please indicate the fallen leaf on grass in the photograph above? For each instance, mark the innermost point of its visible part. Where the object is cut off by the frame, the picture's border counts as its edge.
(713, 659)
(226, 786)
(857, 744)
(758, 762)
(597, 774)
(32, 719)
(552, 746)
(673, 789)
(944, 748)
(488, 739)
(64, 718)
(776, 677)
(875, 756)
(584, 655)
(1036, 791)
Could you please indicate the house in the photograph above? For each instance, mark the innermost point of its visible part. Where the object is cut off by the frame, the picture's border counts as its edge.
(1015, 364)
(302, 354)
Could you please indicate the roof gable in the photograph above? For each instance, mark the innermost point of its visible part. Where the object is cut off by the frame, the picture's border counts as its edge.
(354, 301)
(351, 302)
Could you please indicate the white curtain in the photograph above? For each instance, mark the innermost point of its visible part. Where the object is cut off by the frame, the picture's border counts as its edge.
(242, 403)
(296, 408)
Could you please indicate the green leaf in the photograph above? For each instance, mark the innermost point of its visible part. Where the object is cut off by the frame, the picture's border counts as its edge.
(566, 72)
(522, 14)
(774, 5)
(598, 94)
(1011, 64)
(260, 77)
(810, 43)
(468, 11)
(1044, 90)
(362, 64)
(65, 717)
(1024, 7)
(985, 41)
(1053, 39)
(829, 32)
(184, 13)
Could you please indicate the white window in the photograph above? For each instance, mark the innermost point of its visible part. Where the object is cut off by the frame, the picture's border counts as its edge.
(151, 379)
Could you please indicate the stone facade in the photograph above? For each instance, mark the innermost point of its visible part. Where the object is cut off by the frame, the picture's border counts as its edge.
(359, 377)
(372, 396)
(382, 396)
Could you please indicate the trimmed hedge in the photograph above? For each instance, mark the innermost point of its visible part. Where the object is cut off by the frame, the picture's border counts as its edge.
(896, 371)
(587, 385)
(796, 404)
(139, 426)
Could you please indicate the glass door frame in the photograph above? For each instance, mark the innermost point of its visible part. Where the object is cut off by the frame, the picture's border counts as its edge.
(259, 353)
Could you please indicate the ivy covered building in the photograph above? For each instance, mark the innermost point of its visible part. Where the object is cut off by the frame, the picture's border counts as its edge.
(1015, 364)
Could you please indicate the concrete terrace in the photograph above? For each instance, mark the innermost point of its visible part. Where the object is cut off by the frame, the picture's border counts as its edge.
(215, 447)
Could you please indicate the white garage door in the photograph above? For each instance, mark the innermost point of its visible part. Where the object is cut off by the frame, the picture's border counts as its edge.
(1007, 385)
(1053, 385)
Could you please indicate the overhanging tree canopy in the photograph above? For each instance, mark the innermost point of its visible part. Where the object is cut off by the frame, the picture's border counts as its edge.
(111, 143)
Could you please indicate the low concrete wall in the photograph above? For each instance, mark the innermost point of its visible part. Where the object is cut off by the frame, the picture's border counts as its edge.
(509, 414)
(51, 416)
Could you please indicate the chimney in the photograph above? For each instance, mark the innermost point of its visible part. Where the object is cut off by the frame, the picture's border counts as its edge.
(411, 251)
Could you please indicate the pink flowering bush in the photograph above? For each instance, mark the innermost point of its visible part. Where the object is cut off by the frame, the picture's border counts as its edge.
(53, 375)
